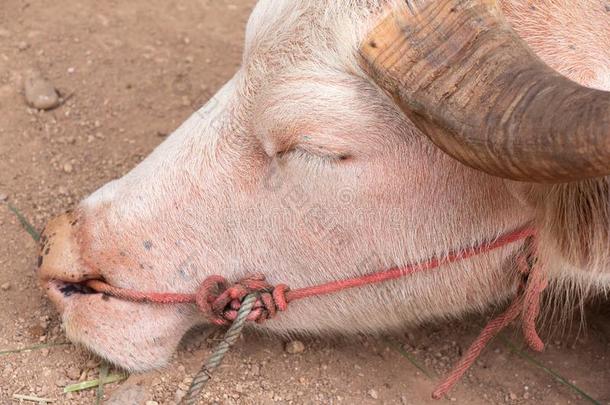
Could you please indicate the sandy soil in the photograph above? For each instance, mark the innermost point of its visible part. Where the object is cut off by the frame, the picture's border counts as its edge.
(131, 72)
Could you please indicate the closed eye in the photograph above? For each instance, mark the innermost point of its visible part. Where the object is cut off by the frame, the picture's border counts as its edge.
(310, 152)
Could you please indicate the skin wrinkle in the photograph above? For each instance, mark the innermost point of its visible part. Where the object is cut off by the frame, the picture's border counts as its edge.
(252, 182)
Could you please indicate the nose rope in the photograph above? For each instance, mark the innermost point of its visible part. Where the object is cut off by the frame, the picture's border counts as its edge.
(222, 303)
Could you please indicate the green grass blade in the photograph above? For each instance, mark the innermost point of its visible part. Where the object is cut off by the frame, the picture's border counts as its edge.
(100, 388)
(547, 370)
(31, 348)
(409, 357)
(94, 383)
(25, 223)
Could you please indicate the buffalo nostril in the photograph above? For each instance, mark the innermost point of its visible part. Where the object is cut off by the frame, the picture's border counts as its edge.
(60, 251)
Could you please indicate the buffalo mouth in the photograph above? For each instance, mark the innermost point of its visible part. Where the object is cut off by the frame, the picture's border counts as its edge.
(68, 289)
(63, 293)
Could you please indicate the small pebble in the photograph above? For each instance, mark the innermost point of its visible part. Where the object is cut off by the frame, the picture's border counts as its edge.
(68, 168)
(39, 92)
(72, 373)
(3, 197)
(5, 286)
(22, 46)
(151, 403)
(256, 370)
(61, 382)
(179, 395)
(373, 393)
(127, 394)
(295, 347)
(512, 396)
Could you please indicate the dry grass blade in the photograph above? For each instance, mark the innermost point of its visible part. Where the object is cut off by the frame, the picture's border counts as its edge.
(32, 348)
(94, 383)
(547, 370)
(31, 398)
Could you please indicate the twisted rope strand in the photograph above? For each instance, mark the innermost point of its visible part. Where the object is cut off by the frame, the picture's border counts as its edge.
(205, 373)
(490, 331)
(526, 304)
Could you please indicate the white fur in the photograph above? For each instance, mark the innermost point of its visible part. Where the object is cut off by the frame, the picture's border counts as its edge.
(238, 187)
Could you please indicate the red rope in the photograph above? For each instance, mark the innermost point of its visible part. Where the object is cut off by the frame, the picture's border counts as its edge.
(219, 301)
(526, 304)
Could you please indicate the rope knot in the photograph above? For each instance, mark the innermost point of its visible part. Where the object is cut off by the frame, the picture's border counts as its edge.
(220, 301)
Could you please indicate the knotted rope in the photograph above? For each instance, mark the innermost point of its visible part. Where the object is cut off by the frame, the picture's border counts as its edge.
(254, 299)
(218, 300)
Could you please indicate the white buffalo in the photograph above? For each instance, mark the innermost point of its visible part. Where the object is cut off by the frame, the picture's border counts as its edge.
(358, 136)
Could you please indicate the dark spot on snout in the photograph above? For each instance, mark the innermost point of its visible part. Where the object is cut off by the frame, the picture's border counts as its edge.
(40, 261)
(105, 297)
(373, 44)
(148, 244)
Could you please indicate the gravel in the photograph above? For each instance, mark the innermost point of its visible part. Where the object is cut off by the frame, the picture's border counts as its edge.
(127, 394)
(373, 393)
(22, 46)
(39, 92)
(68, 168)
(73, 373)
(295, 347)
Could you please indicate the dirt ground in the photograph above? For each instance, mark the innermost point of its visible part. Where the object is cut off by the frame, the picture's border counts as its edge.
(130, 72)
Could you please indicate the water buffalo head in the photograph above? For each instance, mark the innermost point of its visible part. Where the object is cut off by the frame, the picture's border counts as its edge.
(355, 136)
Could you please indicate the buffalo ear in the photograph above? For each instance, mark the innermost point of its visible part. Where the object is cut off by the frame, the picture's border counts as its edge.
(467, 80)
